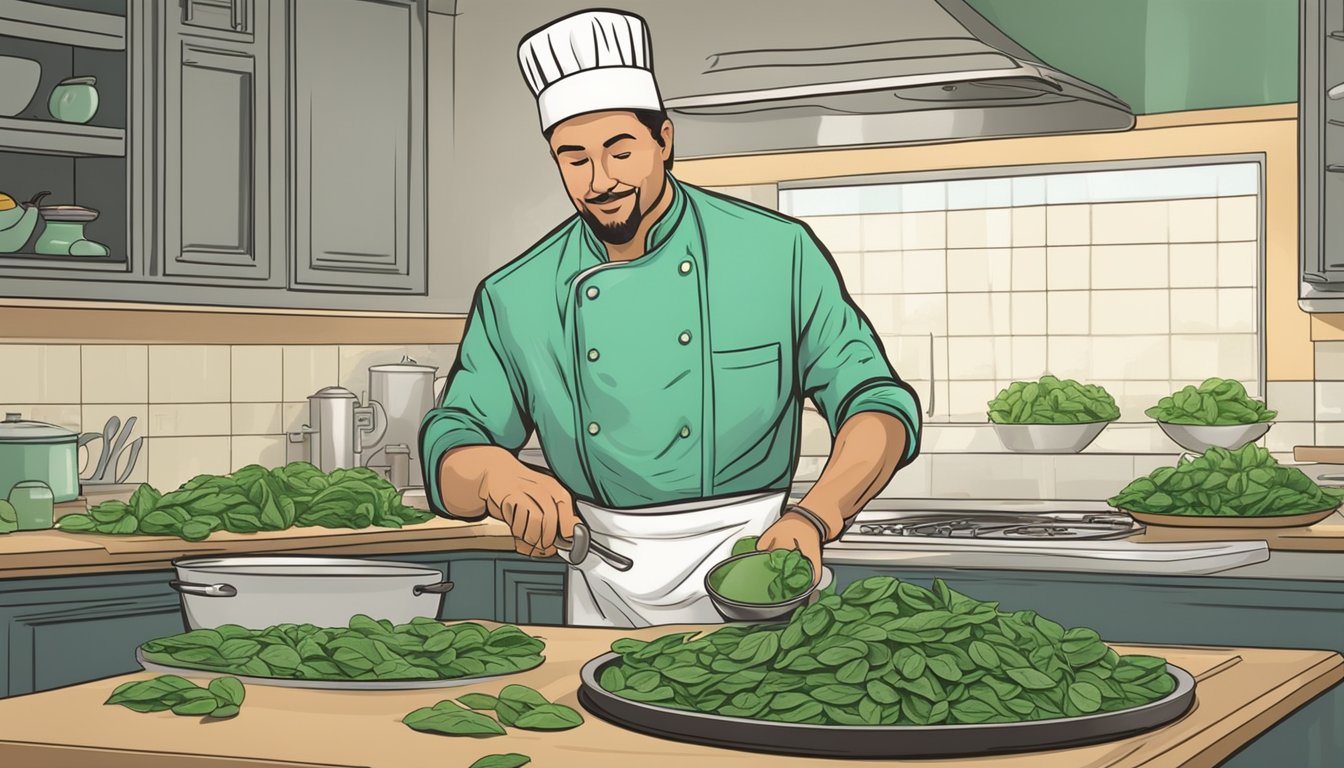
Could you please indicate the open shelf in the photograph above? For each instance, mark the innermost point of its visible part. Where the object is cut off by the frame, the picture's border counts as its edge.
(66, 26)
(40, 261)
(50, 137)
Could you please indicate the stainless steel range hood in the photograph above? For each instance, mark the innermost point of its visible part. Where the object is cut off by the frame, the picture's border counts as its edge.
(845, 73)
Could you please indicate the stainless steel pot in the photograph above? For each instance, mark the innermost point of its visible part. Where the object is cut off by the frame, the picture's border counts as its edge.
(406, 391)
(260, 592)
(34, 451)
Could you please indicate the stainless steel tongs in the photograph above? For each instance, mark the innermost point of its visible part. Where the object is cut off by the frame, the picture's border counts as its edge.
(575, 550)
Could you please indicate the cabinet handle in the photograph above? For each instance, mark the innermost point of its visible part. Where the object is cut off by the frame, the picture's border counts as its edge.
(236, 14)
(188, 10)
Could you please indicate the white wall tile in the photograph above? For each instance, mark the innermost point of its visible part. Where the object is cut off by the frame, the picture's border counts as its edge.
(980, 228)
(1238, 265)
(850, 266)
(1239, 358)
(1068, 268)
(1131, 357)
(1284, 436)
(1129, 266)
(1143, 222)
(1329, 400)
(909, 355)
(253, 449)
(959, 438)
(837, 233)
(1067, 188)
(924, 231)
(1003, 475)
(1131, 438)
(293, 415)
(881, 231)
(178, 459)
(924, 271)
(115, 373)
(882, 272)
(1091, 475)
(1029, 226)
(1194, 310)
(1194, 265)
(189, 420)
(189, 374)
(1028, 269)
(1068, 225)
(971, 358)
(1293, 400)
(1194, 221)
(1238, 218)
(257, 418)
(977, 314)
(970, 399)
(1029, 357)
(1136, 396)
(308, 369)
(1029, 191)
(1130, 312)
(913, 481)
(1237, 310)
(257, 373)
(980, 193)
(906, 315)
(1198, 357)
(1069, 357)
(975, 270)
(1028, 314)
(1068, 312)
(40, 373)
(1329, 433)
(1329, 360)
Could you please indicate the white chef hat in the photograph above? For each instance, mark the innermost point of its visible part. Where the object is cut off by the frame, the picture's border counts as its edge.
(589, 61)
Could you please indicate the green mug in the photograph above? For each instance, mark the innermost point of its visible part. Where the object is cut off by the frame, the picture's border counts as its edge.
(74, 100)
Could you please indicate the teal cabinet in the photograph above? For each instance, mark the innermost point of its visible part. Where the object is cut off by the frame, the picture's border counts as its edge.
(530, 592)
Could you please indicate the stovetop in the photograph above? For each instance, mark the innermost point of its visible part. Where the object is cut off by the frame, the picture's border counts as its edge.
(1036, 526)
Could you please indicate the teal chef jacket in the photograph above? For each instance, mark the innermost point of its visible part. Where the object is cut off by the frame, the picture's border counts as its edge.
(675, 376)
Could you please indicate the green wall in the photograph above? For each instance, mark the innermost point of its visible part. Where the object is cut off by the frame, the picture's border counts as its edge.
(1163, 55)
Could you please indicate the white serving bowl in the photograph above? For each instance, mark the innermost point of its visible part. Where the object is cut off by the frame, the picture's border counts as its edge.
(1194, 437)
(1049, 438)
(18, 84)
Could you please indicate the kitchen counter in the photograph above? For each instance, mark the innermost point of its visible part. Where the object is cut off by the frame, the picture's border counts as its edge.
(55, 553)
(1241, 693)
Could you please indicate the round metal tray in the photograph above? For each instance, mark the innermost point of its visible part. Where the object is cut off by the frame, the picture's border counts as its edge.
(336, 685)
(1232, 521)
(887, 741)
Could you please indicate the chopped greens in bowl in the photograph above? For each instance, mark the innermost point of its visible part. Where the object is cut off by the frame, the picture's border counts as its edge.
(1214, 403)
(1051, 400)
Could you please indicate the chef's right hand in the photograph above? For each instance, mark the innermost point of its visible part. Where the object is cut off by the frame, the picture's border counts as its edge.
(534, 505)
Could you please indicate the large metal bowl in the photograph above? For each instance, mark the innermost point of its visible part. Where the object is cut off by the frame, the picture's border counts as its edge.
(1049, 438)
(1194, 437)
(731, 610)
(18, 84)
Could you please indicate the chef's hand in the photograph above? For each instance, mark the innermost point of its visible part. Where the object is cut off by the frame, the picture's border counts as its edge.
(534, 505)
(794, 531)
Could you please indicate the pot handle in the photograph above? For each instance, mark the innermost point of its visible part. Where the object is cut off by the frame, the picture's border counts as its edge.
(437, 589)
(203, 590)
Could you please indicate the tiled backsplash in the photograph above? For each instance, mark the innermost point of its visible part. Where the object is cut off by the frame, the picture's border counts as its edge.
(201, 409)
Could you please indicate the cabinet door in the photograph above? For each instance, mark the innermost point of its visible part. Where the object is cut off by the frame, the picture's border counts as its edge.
(531, 593)
(217, 150)
(359, 123)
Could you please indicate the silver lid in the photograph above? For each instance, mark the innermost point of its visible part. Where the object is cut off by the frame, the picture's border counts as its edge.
(407, 365)
(333, 393)
(15, 429)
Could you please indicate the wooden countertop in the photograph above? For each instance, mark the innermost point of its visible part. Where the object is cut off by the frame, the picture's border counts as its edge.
(56, 553)
(1241, 692)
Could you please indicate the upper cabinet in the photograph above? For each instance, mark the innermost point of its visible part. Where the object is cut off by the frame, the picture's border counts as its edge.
(266, 153)
(1321, 139)
(359, 145)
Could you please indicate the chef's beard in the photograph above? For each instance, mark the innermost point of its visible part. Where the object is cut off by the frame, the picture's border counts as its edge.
(619, 233)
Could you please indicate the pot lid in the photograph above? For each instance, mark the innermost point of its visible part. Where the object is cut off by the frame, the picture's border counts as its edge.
(82, 80)
(333, 393)
(406, 365)
(67, 213)
(15, 429)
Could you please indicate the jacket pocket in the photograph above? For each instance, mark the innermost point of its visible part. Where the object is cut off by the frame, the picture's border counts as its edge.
(747, 388)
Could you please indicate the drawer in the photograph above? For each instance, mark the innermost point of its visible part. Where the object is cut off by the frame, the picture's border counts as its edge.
(220, 15)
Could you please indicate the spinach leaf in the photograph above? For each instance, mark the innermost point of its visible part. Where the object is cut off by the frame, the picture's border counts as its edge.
(510, 760)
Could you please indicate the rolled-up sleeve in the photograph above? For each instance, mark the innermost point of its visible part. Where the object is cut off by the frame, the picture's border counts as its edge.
(482, 400)
(842, 366)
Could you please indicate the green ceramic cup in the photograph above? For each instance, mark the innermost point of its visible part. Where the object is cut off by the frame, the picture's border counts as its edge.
(74, 100)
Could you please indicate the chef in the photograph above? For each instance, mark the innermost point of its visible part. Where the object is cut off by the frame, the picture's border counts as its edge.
(660, 344)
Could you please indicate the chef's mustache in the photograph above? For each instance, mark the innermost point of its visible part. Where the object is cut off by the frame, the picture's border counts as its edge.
(607, 197)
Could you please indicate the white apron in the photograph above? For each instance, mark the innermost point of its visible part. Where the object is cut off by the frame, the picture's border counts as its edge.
(673, 547)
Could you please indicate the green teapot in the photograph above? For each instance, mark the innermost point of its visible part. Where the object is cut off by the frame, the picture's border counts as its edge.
(17, 222)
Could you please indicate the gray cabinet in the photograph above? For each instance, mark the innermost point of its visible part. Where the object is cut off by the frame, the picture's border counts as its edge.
(217, 152)
(1321, 139)
(358, 143)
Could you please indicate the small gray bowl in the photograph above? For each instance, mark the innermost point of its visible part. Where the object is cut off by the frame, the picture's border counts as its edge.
(1199, 438)
(1048, 438)
(731, 610)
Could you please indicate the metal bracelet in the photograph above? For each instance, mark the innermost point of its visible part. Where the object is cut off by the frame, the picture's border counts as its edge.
(812, 518)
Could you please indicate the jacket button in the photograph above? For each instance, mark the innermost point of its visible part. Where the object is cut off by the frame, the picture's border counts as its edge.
(685, 431)
(593, 429)
(592, 292)
(685, 337)
(685, 267)
(592, 354)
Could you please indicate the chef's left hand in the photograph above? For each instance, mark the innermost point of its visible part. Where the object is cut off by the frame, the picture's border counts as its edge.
(794, 532)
